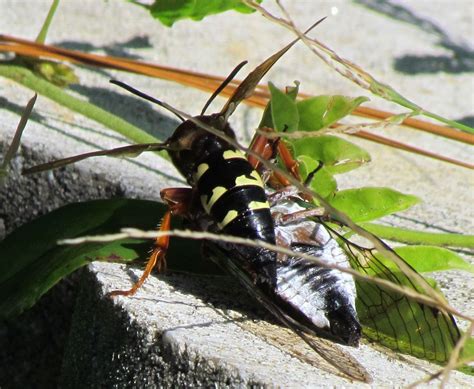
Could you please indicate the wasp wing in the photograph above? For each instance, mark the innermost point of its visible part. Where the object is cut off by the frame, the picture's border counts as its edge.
(286, 340)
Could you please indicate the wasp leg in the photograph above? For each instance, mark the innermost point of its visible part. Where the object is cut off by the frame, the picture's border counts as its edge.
(157, 258)
(282, 194)
(178, 200)
(268, 149)
(281, 219)
(262, 146)
(290, 163)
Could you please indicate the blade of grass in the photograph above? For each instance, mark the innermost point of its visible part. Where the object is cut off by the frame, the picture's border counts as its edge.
(402, 146)
(432, 128)
(45, 88)
(201, 81)
(209, 83)
(350, 70)
(15, 144)
(419, 237)
(41, 38)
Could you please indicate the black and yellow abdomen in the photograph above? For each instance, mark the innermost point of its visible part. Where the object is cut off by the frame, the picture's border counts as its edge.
(232, 193)
(228, 189)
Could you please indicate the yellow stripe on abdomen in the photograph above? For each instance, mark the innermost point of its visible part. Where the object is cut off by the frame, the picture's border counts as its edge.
(217, 193)
(230, 154)
(253, 205)
(254, 180)
(231, 215)
(201, 169)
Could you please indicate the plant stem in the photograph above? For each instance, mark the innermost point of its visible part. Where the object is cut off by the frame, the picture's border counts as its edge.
(416, 237)
(41, 38)
(26, 78)
(451, 123)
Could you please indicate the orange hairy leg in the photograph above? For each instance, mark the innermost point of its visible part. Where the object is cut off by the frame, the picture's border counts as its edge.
(178, 200)
(267, 149)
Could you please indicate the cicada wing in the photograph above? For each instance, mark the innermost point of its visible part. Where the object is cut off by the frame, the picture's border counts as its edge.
(248, 85)
(131, 150)
(344, 363)
(393, 319)
(328, 356)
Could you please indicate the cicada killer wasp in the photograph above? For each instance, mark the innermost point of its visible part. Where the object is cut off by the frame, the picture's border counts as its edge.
(228, 195)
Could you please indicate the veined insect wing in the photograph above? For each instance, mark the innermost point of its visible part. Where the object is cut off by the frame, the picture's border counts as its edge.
(343, 362)
(394, 319)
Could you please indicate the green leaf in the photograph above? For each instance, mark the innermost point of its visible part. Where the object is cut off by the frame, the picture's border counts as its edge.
(322, 111)
(337, 154)
(468, 350)
(283, 108)
(267, 121)
(430, 258)
(323, 182)
(292, 91)
(170, 11)
(363, 204)
(29, 271)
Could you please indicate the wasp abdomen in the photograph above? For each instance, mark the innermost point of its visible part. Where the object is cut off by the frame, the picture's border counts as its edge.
(232, 193)
(229, 189)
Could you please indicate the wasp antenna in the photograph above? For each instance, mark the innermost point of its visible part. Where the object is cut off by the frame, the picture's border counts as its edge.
(229, 78)
(131, 89)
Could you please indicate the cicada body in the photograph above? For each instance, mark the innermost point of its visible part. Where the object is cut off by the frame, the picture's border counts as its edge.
(323, 297)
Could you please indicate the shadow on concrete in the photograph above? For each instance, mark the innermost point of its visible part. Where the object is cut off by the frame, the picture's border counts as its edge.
(118, 49)
(126, 107)
(47, 121)
(461, 59)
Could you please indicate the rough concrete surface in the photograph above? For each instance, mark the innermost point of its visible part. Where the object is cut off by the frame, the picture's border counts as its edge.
(177, 331)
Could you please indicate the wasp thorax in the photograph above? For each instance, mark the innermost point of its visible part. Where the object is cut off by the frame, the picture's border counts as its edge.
(191, 144)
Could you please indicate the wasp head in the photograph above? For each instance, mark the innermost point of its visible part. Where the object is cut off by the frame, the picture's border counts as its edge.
(190, 143)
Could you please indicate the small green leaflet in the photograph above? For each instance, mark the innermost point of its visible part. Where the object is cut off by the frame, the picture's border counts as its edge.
(364, 204)
(338, 155)
(170, 11)
(322, 111)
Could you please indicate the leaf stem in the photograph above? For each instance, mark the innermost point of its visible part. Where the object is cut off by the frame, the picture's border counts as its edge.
(449, 122)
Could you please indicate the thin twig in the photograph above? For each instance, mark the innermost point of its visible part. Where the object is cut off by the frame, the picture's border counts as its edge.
(203, 235)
